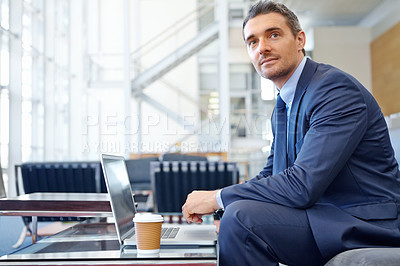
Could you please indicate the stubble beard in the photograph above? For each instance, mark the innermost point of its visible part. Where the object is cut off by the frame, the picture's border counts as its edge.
(277, 74)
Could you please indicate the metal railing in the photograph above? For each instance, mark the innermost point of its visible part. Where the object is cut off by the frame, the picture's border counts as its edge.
(109, 67)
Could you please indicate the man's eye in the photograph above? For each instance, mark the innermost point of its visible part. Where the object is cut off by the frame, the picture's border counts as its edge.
(274, 35)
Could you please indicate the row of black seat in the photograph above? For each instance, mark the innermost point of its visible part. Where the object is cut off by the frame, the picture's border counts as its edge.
(79, 177)
(83, 177)
(170, 181)
(173, 181)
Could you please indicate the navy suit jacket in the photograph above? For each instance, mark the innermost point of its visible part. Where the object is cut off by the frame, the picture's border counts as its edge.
(341, 165)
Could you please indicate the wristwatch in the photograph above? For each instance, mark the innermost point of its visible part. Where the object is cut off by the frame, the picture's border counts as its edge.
(218, 214)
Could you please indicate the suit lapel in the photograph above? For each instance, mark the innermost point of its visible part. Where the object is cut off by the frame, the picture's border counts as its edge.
(305, 79)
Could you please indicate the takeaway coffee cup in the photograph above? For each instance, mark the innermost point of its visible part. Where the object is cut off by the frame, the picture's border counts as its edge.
(148, 232)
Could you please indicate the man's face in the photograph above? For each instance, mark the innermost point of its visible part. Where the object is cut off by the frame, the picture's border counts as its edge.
(273, 50)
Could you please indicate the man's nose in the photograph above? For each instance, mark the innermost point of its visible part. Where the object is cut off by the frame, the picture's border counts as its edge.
(264, 46)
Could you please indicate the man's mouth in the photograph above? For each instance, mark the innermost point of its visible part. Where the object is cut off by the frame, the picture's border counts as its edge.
(267, 61)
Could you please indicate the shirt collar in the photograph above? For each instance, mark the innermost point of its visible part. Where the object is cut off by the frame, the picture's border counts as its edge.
(288, 90)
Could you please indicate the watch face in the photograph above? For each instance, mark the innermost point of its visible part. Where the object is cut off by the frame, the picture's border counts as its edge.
(218, 214)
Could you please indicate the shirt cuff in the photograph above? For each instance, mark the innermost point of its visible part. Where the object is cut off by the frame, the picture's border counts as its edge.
(219, 199)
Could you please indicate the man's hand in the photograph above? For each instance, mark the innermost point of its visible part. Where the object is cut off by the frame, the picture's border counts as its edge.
(199, 203)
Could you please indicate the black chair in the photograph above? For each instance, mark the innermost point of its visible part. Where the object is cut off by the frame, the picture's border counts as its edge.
(77, 177)
(139, 173)
(83, 177)
(172, 181)
(367, 257)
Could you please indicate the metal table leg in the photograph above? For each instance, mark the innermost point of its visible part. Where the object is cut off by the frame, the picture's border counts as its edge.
(34, 229)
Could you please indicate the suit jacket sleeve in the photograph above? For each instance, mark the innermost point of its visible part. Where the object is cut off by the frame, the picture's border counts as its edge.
(337, 114)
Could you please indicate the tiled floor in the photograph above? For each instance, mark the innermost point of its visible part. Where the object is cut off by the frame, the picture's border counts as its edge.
(10, 230)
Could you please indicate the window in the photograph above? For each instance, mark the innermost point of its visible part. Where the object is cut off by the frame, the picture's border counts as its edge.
(4, 85)
(44, 81)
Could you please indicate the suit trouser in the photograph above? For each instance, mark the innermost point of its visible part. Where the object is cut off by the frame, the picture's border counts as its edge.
(258, 233)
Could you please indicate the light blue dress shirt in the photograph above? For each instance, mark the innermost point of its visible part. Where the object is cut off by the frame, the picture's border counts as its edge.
(287, 94)
(288, 90)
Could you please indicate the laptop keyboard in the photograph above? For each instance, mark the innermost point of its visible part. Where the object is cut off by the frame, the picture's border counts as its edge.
(169, 232)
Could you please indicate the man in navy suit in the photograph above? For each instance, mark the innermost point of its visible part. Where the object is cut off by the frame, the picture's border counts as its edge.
(331, 182)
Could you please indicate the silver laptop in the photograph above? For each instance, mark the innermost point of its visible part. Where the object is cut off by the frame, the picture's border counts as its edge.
(123, 209)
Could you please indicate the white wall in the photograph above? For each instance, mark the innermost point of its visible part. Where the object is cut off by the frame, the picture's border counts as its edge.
(347, 48)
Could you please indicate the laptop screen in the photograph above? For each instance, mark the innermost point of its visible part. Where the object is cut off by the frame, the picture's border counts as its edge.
(119, 189)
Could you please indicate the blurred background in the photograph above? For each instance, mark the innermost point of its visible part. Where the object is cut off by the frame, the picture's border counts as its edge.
(136, 77)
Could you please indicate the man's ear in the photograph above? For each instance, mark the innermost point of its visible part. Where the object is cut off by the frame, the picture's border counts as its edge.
(301, 40)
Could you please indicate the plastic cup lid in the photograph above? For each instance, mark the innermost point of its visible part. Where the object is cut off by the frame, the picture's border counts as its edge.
(147, 218)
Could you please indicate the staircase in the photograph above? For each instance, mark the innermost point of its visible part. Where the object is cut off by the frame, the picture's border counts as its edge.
(159, 69)
(172, 60)
(103, 66)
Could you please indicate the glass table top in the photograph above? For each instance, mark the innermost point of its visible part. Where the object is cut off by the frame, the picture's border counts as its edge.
(98, 241)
